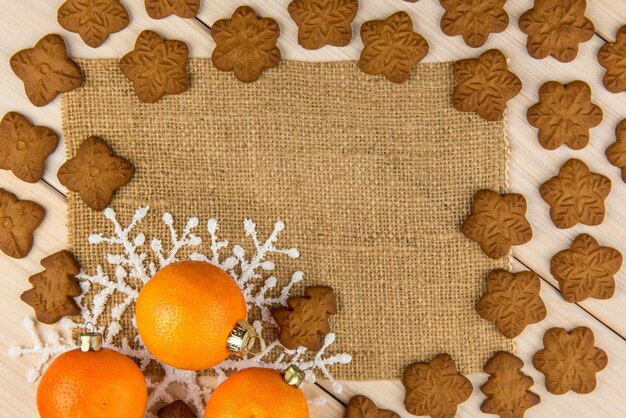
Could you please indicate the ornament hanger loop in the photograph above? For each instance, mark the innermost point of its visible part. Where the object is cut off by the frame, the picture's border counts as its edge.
(87, 328)
(251, 344)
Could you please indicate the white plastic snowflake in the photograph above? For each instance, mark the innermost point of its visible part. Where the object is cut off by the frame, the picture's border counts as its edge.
(133, 265)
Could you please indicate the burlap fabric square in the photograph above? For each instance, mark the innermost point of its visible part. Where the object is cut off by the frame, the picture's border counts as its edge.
(372, 179)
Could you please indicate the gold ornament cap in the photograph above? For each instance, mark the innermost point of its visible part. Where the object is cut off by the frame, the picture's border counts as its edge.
(242, 338)
(90, 341)
(294, 376)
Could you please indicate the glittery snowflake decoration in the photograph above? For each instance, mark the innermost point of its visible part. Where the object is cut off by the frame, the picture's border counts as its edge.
(134, 265)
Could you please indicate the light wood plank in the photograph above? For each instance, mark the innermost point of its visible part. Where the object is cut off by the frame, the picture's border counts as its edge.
(25, 22)
(605, 402)
(16, 394)
(607, 16)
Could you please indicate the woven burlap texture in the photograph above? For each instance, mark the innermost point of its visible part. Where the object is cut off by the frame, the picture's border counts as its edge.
(373, 180)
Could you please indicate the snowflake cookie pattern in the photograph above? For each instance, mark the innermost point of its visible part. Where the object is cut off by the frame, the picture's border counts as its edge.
(435, 388)
(576, 195)
(497, 222)
(569, 360)
(612, 56)
(93, 20)
(245, 44)
(159, 9)
(156, 67)
(102, 294)
(616, 152)
(586, 269)
(512, 301)
(474, 19)
(323, 22)
(564, 115)
(391, 47)
(556, 27)
(484, 85)
(361, 406)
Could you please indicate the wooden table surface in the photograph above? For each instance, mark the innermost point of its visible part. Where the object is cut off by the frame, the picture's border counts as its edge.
(24, 22)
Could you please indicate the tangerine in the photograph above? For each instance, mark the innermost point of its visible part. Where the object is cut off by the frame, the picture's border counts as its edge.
(258, 393)
(186, 312)
(92, 384)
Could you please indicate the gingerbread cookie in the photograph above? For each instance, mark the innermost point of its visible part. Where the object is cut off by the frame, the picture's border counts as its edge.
(305, 319)
(556, 27)
(576, 195)
(507, 387)
(512, 301)
(363, 407)
(474, 19)
(323, 22)
(569, 360)
(24, 147)
(564, 115)
(156, 67)
(586, 269)
(484, 85)
(18, 221)
(159, 9)
(391, 47)
(435, 388)
(94, 173)
(616, 153)
(245, 44)
(176, 409)
(612, 56)
(93, 20)
(46, 70)
(54, 289)
(497, 222)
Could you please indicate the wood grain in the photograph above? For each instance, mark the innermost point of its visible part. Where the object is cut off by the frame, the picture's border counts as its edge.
(25, 22)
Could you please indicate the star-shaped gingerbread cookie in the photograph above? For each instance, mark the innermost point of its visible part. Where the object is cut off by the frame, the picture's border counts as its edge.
(95, 174)
(556, 27)
(46, 70)
(159, 9)
(564, 115)
(323, 22)
(612, 56)
(497, 222)
(484, 85)
(18, 221)
(93, 20)
(435, 388)
(512, 301)
(391, 47)
(616, 152)
(245, 44)
(586, 269)
(576, 195)
(569, 360)
(475, 20)
(25, 147)
(363, 407)
(156, 67)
